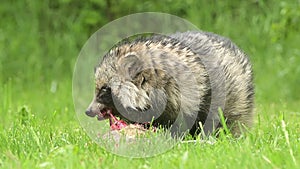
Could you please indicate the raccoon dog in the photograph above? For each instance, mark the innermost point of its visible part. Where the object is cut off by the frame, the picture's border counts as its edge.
(179, 81)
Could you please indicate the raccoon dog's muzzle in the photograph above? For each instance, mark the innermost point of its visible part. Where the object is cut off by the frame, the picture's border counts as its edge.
(101, 105)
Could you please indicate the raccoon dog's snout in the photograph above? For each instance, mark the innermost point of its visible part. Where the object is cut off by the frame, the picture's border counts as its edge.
(90, 113)
(102, 104)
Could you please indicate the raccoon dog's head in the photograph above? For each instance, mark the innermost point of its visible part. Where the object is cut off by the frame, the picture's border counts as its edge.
(135, 81)
(129, 85)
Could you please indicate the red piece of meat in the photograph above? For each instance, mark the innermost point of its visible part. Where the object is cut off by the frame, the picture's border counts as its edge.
(116, 124)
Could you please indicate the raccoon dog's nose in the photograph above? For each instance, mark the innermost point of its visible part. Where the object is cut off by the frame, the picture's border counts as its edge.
(90, 113)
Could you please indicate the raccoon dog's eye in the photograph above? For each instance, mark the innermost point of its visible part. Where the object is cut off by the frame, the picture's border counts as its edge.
(104, 95)
(104, 90)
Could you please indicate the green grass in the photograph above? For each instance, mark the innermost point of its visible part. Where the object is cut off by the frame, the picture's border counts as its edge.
(39, 43)
(31, 142)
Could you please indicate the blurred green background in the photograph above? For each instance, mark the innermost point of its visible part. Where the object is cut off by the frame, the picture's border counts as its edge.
(40, 42)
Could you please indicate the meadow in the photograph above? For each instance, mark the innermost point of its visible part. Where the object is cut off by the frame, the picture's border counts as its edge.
(39, 45)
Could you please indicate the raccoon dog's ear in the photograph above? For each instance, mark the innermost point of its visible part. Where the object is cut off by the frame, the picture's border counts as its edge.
(130, 65)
